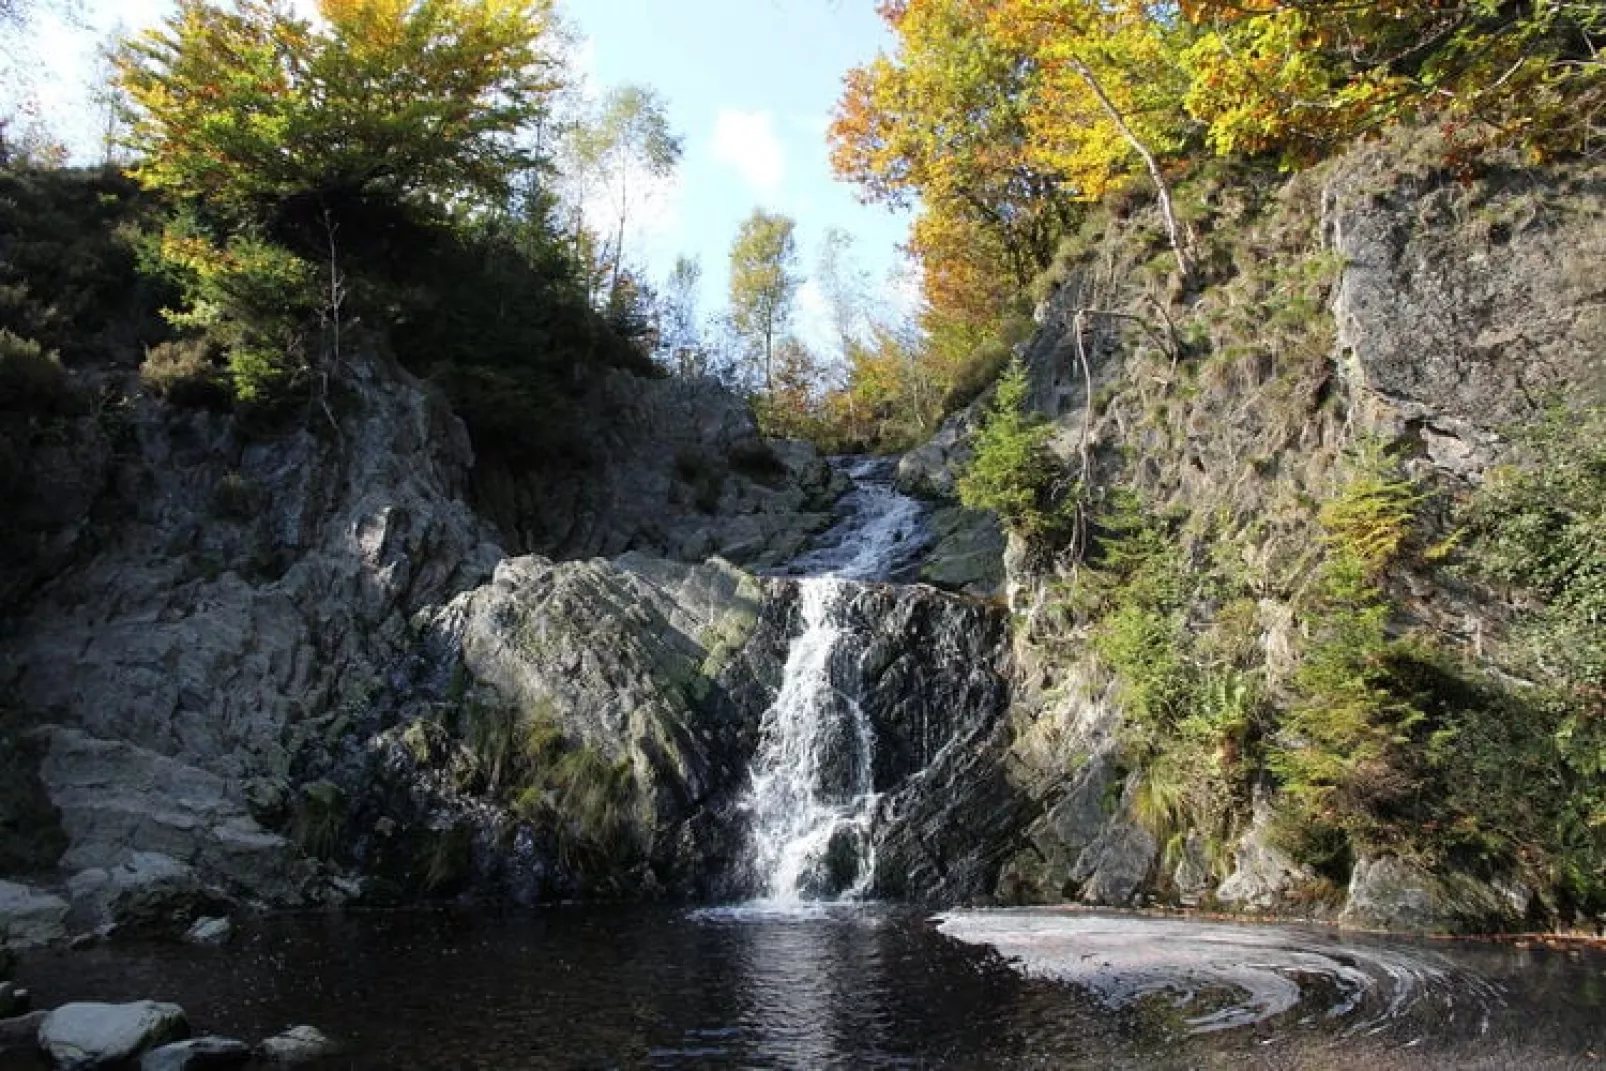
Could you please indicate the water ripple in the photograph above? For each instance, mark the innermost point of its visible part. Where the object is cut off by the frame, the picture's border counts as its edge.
(1222, 976)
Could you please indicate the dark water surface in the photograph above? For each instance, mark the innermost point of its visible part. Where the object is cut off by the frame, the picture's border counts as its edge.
(857, 988)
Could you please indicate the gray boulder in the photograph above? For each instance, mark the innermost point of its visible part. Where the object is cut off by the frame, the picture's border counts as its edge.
(1113, 868)
(967, 554)
(932, 468)
(94, 1035)
(298, 1045)
(150, 890)
(119, 801)
(210, 931)
(29, 917)
(1263, 875)
(1390, 893)
(196, 1054)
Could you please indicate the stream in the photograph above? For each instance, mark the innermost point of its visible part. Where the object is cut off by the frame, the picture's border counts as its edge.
(812, 974)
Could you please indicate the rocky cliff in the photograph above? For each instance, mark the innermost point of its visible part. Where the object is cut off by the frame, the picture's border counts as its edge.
(1382, 306)
(335, 659)
(209, 609)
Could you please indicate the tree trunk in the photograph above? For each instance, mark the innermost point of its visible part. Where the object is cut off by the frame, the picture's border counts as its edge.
(1173, 231)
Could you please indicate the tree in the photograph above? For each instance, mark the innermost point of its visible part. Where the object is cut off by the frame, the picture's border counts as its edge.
(625, 144)
(1110, 86)
(764, 284)
(1302, 79)
(1011, 471)
(679, 335)
(944, 120)
(269, 134)
(846, 288)
(245, 107)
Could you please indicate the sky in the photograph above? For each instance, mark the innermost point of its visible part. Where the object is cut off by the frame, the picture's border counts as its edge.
(749, 86)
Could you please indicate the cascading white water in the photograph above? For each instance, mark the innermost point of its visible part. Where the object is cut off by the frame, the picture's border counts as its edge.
(812, 795)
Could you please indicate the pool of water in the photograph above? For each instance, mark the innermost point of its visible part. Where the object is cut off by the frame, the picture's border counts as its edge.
(856, 987)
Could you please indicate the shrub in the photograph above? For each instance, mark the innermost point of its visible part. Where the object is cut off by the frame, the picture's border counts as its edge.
(185, 373)
(1346, 754)
(1540, 524)
(1011, 471)
(32, 381)
(253, 298)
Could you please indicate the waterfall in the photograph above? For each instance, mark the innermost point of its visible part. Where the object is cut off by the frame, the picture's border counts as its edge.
(812, 796)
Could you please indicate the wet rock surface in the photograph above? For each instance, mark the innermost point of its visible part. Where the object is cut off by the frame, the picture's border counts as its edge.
(298, 1045)
(87, 1034)
(30, 916)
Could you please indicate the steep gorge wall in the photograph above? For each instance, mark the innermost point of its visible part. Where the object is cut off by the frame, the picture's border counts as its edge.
(212, 610)
(1380, 301)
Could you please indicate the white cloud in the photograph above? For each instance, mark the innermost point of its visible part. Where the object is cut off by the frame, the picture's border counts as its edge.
(747, 142)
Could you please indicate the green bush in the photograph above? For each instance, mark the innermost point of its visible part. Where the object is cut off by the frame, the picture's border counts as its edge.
(1188, 715)
(251, 297)
(1348, 751)
(1011, 471)
(1540, 524)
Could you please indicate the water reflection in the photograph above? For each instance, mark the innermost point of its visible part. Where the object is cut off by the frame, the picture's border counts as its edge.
(851, 987)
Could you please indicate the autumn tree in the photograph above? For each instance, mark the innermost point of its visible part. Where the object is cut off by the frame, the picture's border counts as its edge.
(945, 121)
(270, 133)
(1302, 79)
(764, 282)
(246, 106)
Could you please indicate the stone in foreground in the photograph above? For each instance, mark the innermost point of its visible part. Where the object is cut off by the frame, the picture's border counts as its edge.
(94, 1035)
(298, 1045)
(214, 932)
(196, 1054)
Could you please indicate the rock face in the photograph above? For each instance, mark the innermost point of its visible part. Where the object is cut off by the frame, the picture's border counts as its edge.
(96, 1035)
(671, 467)
(246, 585)
(29, 917)
(650, 669)
(246, 599)
(1389, 893)
(1459, 307)
(1452, 310)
